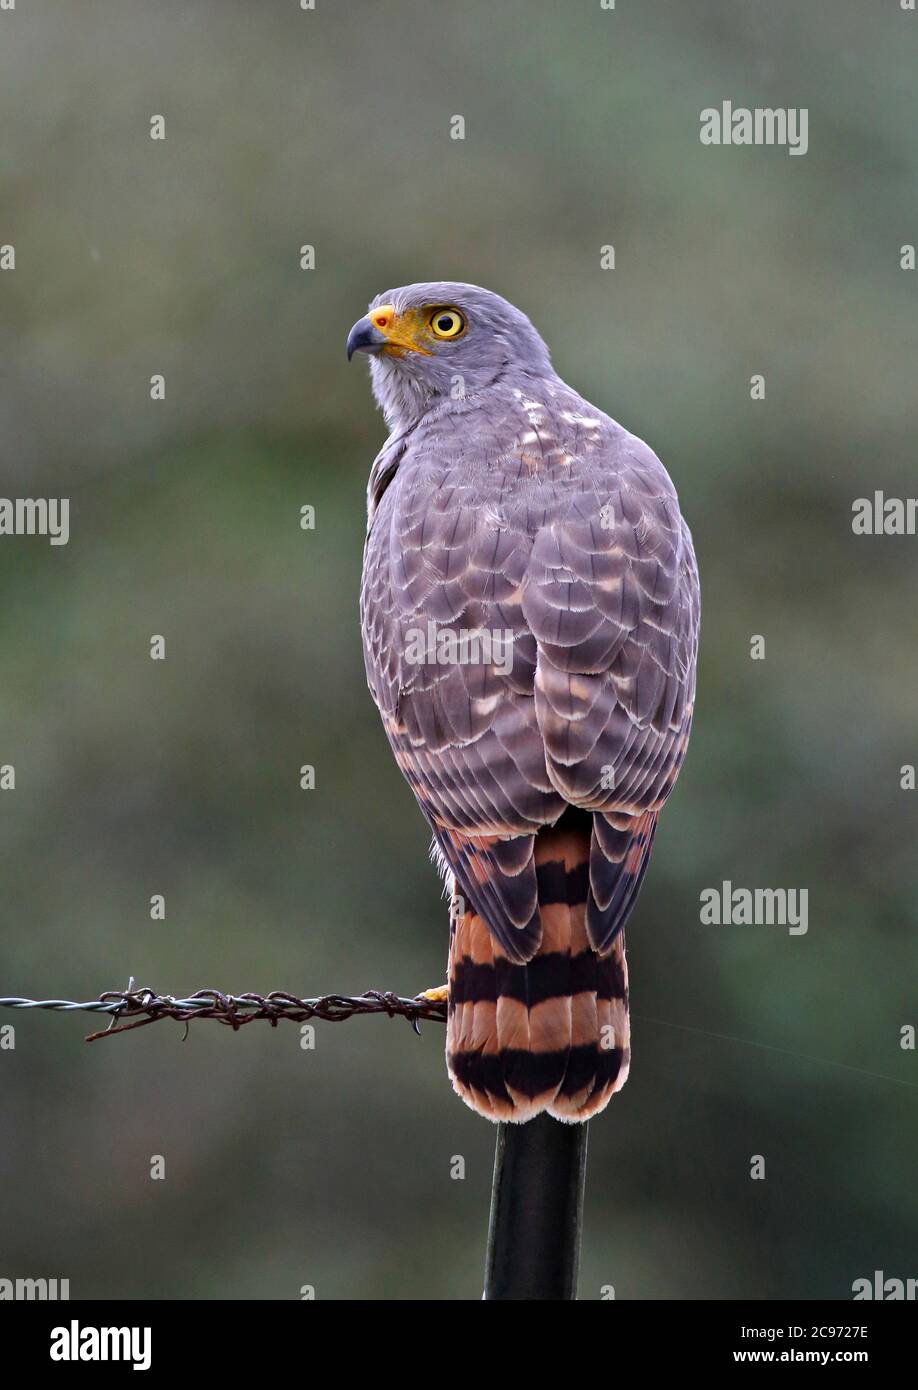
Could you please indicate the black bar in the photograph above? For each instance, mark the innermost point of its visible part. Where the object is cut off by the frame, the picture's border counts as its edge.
(263, 1334)
(536, 1211)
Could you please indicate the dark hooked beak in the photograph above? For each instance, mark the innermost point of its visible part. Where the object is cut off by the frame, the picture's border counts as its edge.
(364, 337)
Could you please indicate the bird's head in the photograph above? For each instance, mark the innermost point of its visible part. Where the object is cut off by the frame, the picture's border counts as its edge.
(443, 341)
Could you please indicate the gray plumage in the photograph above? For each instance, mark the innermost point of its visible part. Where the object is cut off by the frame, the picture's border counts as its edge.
(504, 501)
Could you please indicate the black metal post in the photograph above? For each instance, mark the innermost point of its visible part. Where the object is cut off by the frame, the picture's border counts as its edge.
(536, 1211)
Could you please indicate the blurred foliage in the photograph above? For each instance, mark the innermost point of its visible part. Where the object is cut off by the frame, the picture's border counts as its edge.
(283, 1166)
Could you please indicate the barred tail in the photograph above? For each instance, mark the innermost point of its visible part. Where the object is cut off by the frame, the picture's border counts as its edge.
(552, 1034)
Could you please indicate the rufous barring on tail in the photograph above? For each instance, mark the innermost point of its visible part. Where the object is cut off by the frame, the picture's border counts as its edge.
(530, 610)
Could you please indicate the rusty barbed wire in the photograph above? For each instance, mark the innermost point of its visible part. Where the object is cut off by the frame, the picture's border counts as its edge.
(145, 1006)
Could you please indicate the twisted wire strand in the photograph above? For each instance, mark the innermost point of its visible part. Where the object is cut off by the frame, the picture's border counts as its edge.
(136, 1008)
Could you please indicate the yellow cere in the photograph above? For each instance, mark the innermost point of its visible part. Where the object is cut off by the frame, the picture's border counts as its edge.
(412, 329)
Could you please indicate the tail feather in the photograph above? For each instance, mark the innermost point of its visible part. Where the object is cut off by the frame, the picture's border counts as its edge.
(619, 855)
(551, 1034)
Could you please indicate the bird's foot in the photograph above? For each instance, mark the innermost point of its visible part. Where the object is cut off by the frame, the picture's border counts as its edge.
(440, 995)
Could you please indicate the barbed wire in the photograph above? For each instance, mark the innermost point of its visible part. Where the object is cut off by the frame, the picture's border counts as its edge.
(144, 1006)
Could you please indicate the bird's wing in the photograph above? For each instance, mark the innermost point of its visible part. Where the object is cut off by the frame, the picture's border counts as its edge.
(612, 600)
(441, 559)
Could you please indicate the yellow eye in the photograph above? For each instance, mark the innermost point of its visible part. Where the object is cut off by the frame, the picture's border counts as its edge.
(447, 323)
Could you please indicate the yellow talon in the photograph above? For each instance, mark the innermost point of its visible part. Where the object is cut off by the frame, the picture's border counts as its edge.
(440, 995)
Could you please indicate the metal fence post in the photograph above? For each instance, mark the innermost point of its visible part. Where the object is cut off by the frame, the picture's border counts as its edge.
(536, 1210)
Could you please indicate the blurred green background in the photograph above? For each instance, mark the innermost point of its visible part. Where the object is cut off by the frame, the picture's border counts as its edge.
(331, 1167)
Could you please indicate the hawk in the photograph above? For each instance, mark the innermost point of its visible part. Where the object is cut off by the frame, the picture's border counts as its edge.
(529, 610)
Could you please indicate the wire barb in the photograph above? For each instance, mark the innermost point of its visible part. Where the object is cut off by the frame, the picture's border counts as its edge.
(135, 1008)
